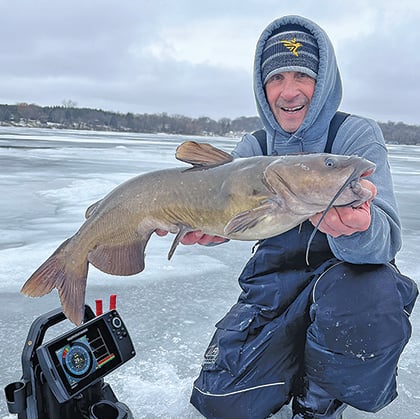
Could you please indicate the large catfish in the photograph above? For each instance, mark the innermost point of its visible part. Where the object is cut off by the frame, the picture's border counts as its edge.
(243, 199)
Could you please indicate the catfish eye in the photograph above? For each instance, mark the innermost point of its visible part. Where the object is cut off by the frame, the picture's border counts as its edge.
(329, 162)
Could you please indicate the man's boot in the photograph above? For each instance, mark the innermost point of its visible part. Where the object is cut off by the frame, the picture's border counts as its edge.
(315, 403)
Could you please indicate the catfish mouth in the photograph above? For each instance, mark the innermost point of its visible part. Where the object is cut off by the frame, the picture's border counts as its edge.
(364, 169)
(358, 190)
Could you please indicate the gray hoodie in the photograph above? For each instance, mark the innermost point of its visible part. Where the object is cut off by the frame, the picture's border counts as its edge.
(357, 136)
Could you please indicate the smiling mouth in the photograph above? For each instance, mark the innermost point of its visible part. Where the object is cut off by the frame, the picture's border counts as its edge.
(292, 110)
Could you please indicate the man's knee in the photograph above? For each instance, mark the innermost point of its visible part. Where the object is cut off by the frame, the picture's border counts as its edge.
(358, 308)
(359, 328)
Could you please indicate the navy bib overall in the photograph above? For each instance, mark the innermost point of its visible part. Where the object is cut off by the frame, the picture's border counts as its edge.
(342, 326)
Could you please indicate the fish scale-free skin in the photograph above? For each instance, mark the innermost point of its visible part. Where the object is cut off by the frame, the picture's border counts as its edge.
(244, 199)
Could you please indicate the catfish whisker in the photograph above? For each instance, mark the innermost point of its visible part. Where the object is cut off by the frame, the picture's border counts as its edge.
(349, 180)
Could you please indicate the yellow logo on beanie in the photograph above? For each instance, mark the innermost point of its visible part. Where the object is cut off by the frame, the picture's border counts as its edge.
(292, 46)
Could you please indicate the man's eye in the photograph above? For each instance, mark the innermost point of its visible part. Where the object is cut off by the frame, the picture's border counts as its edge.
(302, 75)
(276, 77)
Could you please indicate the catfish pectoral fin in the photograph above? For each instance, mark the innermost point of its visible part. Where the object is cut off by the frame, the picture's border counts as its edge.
(123, 259)
(248, 220)
(181, 233)
(69, 279)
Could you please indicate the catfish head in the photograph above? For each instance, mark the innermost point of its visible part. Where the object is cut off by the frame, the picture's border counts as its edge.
(310, 183)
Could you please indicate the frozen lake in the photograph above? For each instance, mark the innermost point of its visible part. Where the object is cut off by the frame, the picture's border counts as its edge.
(47, 180)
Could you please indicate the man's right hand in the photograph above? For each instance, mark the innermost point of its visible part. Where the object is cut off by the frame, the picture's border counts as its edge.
(196, 237)
(344, 221)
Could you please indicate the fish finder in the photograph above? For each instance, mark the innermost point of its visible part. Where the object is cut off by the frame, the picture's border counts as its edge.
(79, 358)
(63, 378)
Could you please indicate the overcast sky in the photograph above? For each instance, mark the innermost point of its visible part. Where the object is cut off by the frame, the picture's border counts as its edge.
(194, 57)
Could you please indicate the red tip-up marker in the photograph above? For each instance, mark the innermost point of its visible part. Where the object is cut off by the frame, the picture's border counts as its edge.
(113, 302)
(99, 307)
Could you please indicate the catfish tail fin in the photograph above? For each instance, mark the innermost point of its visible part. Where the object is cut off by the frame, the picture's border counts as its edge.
(60, 272)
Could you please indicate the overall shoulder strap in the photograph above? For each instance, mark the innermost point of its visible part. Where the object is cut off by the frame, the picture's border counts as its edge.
(261, 137)
(335, 124)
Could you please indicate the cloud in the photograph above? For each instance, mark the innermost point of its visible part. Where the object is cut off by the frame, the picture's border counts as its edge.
(195, 58)
(379, 74)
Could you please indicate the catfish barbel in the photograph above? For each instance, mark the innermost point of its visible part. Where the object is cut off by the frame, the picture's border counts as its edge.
(249, 198)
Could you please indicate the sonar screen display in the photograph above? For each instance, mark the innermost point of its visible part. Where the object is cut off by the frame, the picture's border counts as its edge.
(85, 356)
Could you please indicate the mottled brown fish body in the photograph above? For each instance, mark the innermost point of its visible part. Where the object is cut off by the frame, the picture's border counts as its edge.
(202, 199)
(243, 199)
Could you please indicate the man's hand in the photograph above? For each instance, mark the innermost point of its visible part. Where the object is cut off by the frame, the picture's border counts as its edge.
(196, 237)
(344, 221)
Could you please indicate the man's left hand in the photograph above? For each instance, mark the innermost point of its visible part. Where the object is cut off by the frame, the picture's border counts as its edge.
(197, 237)
(344, 221)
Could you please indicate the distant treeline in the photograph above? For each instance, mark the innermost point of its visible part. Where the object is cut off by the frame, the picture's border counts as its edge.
(72, 117)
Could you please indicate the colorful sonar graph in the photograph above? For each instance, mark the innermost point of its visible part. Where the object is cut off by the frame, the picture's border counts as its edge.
(103, 361)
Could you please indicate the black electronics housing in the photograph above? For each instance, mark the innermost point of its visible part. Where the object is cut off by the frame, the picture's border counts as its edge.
(63, 378)
(74, 361)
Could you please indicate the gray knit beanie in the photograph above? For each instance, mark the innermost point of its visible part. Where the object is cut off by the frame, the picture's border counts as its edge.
(290, 49)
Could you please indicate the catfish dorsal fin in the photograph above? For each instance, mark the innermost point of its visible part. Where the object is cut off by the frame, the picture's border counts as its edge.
(201, 154)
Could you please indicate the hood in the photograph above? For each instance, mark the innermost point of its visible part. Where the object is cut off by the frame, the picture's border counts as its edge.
(312, 133)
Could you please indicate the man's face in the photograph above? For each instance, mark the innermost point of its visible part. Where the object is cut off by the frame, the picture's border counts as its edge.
(289, 95)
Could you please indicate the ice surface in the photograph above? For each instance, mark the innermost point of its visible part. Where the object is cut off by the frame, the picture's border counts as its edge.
(49, 178)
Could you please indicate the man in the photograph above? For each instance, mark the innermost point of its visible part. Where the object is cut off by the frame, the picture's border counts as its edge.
(328, 334)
